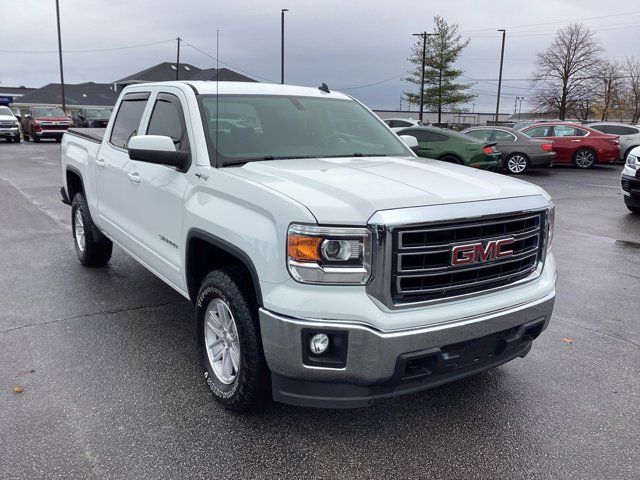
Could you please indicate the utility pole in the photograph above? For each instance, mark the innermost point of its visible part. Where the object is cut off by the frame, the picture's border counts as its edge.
(500, 75)
(520, 107)
(178, 60)
(424, 36)
(282, 44)
(515, 105)
(64, 103)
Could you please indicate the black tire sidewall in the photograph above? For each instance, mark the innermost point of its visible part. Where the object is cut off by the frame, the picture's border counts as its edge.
(222, 391)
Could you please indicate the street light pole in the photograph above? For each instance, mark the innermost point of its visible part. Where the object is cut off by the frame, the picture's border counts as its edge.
(282, 44)
(500, 75)
(64, 103)
(424, 36)
(178, 59)
(520, 107)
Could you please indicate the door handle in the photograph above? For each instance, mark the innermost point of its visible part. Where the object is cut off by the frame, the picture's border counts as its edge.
(575, 140)
(100, 163)
(134, 177)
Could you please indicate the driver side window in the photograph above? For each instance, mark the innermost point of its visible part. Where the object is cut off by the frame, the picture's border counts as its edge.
(167, 119)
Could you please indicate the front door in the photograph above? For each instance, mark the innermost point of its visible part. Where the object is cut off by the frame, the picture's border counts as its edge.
(156, 205)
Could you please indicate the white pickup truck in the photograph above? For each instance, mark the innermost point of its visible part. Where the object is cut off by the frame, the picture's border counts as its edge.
(328, 265)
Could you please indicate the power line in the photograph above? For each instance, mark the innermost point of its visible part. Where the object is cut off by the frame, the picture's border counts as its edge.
(227, 64)
(374, 83)
(92, 50)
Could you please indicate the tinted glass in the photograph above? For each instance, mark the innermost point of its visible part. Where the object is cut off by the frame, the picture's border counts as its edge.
(48, 112)
(542, 131)
(127, 122)
(402, 123)
(568, 131)
(252, 127)
(480, 134)
(167, 119)
(504, 136)
(616, 129)
(420, 135)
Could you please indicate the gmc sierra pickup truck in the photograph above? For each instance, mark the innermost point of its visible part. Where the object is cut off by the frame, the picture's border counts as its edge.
(327, 264)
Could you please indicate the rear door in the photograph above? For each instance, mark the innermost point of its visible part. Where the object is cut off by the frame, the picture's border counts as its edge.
(156, 204)
(430, 144)
(111, 169)
(567, 140)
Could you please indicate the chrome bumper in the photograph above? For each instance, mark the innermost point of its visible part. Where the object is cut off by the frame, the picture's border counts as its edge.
(373, 356)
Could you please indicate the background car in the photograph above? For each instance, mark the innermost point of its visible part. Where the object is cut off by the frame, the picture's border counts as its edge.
(577, 144)
(628, 135)
(92, 117)
(397, 123)
(518, 150)
(454, 147)
(9, 125)
(630, 180)
(45, 122)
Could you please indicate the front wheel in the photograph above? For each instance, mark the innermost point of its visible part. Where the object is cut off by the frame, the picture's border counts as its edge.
(92, 247)
(516, 163)
(16, 139)
(229, 338)
(584, 158)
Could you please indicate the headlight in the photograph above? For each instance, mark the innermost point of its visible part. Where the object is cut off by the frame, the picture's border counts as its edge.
(551, 222)
(329, 255)
(633, 161)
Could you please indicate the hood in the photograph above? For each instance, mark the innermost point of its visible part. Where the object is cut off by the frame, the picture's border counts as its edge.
(8, 118)
(350, 190)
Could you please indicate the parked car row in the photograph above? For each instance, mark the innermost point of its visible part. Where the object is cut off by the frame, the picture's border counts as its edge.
(9, 125)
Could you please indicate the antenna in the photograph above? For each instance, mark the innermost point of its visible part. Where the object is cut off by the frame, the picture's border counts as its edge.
(217, 114)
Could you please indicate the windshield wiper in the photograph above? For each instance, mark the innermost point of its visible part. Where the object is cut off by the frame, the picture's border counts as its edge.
(242, 161)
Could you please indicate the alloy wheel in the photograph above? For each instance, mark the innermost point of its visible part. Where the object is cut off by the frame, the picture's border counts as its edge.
(78, 230)
(517, 164)
(585, 159)
(221, 341)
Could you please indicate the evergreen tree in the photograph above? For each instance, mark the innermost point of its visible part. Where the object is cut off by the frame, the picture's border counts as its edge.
(440, 76)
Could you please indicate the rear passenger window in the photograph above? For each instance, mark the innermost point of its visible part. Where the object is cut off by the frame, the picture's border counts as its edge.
(617, 129)
(544, 131)
(128, 119)
(502, 135)
(167, 119)
(480, 134)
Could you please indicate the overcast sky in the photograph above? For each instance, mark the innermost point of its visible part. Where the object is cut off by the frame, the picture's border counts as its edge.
(345, 44)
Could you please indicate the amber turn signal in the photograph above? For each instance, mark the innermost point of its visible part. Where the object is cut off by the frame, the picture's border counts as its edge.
(304, 248)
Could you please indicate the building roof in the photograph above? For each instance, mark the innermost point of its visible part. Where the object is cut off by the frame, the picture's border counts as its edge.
(220, 74)
(161, 72)
(15, 91)
(97, 94)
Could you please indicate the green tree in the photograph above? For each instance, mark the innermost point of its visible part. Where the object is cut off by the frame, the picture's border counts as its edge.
(440, 75)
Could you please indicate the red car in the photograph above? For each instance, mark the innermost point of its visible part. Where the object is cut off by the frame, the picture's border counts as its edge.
(45, 122)
(577, 144)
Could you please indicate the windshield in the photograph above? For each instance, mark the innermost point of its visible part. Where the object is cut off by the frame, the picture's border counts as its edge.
(5, 111)
(48, 112)
(99, 113)
(268, 127)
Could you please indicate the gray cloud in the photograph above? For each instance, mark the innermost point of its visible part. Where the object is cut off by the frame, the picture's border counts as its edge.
(345, 44)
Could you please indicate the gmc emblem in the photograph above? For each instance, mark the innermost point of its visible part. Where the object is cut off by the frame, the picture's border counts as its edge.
(480, 253)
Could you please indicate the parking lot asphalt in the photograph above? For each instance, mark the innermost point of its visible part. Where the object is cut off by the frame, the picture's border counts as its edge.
(112, 386)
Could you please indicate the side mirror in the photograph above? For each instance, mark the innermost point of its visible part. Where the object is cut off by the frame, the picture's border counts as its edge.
(411, 142)
(27, 115)
(156, 149)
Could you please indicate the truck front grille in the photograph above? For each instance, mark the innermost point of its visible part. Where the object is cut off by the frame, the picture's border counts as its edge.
(423, 266)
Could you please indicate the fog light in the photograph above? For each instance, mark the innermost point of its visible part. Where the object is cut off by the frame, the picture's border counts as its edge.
(319, 343)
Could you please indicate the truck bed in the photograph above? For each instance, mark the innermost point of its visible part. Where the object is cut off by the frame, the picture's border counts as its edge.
(93, 134)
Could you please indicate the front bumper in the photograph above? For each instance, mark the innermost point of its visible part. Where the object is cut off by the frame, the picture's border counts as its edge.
(50, 133)
(9, 132)
(385, 364)
(630, 187)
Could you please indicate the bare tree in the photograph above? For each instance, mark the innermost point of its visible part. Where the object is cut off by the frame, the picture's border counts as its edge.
(632, 88)
(564, 69)
(608, 84)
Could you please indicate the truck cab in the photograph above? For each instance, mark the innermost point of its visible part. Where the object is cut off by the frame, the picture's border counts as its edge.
(328, 265)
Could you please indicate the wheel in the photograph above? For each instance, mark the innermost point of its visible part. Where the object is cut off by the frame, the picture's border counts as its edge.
(92, 247)
(451, 159)
(584, 158)
(229, 340)
(26, 137)
(36, 138)
(16, 139)
(633, 209)
(516, 163)
(58, 140)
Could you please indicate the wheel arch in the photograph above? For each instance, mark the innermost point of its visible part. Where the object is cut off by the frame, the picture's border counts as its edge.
(74, 181)
(206, 252)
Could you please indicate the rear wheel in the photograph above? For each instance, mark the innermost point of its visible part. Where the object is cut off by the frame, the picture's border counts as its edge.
(584, 158)
(229, 338)
(633, 209)
(516, 163)
(451, 159)
(92, 247)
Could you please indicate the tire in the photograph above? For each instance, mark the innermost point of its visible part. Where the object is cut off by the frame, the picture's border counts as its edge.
(16, 139)
(635, 210)
(58, 140)
(26, 137)
(516, 163)
(36, 139)
(626, 154)
(92, 247)
(584, 158)
(239, 378)
(451, 159)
